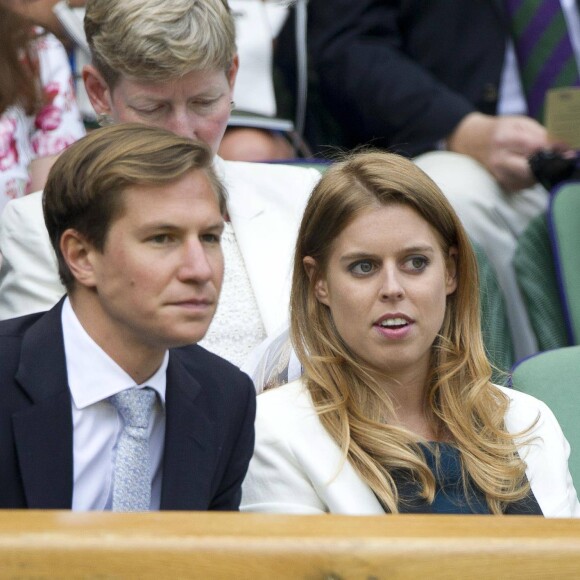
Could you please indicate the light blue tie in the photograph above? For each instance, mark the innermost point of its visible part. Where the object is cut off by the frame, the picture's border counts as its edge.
(132, 474)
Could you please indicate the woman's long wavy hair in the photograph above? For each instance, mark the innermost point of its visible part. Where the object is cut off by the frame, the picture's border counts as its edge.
(19, 75)
(462, 404)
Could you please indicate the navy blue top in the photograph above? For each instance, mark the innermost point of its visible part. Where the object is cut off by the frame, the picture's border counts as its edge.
(450, 494)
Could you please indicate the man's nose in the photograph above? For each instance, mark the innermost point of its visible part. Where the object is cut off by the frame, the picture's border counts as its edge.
(195, 264)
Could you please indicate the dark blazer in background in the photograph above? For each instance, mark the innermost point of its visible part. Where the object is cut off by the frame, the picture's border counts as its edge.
(401, 74)
(209, 437)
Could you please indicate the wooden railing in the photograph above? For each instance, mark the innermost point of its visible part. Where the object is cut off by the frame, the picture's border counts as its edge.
(41, 545)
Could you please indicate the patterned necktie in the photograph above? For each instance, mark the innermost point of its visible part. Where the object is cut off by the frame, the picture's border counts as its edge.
(543, 49)
(132, 474)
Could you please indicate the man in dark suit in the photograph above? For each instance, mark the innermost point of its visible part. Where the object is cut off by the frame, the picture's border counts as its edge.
(135, 217)
(440, 78)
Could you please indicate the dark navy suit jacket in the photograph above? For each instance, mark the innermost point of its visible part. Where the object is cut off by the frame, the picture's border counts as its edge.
(402, 73)
(209, 438)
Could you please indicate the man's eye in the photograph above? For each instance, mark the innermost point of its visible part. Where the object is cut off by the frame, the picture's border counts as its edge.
(160, 239)
(211, 238)
(362, 267)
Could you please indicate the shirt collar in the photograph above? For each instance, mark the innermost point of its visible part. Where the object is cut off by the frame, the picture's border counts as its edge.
(92, 374)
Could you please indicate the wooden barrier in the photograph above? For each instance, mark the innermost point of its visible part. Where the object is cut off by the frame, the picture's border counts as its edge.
(47, 544)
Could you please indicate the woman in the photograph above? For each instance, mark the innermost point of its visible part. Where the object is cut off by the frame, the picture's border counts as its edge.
(173, 64)
(38, 113)
(395, 411)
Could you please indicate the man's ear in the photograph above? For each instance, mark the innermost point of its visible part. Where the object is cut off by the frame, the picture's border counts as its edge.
(97, 90)
(313, 273)
(77, 253)
(451, 270)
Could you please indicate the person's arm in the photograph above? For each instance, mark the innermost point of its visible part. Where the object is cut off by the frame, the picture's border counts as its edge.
(58, 124)
(502, 145)
(545, 451)
(40, 13)
(29, 280)
(229, 493)
(276, 482)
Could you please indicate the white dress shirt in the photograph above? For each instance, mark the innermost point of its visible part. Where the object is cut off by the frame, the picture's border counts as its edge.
(93, 377)
(511, 95)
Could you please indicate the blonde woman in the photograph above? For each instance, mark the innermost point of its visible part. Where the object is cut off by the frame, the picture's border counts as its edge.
(395, 411)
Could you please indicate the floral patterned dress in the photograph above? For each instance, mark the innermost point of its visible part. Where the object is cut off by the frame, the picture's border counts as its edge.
(58, 124)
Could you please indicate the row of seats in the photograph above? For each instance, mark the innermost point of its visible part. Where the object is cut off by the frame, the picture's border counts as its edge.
(548, 267)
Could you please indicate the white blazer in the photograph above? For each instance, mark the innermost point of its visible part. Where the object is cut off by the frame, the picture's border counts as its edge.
(265, 204)
(296, 467)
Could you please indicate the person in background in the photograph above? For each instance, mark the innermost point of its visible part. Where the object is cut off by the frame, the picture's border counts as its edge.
(173, 64)
(257, 24)
(39, 116)
(42, 13)
(103, 396)
(395, 411)
(451, 83)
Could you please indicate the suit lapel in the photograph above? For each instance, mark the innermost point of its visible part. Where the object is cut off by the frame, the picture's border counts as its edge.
(189, 457)
(43, 431)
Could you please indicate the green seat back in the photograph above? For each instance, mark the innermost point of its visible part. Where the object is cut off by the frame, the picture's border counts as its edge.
(554, 378)
(536, 274)
(494, 323)
(564, 223)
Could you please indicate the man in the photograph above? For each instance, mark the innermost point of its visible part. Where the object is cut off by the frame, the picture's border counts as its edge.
(134, 215)
(440, 78)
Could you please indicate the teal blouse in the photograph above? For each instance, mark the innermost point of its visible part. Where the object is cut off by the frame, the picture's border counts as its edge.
(451, 496)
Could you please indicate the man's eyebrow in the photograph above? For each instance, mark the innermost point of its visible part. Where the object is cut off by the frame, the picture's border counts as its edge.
(154, 226)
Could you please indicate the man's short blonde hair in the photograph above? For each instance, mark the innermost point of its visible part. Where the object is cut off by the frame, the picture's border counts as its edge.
(154, 40)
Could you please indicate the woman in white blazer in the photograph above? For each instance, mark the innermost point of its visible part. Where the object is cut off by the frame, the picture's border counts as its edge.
(173, 64)
(395, 411)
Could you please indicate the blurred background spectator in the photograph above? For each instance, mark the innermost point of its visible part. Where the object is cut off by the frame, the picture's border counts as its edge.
(38, 113)
(254, 133)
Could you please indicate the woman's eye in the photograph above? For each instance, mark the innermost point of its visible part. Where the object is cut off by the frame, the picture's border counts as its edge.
(205, 103)
(150, 110)
(417, 263)
(363, 267)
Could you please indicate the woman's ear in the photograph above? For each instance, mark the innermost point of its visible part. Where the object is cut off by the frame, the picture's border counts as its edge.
(77, 252)
(451, 270)
(98, 90)
(233, 72)
(313, 273)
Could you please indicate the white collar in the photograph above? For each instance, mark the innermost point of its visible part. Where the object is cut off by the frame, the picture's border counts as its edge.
(92, 374)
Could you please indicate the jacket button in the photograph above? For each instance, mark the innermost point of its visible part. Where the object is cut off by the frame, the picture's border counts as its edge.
(490, 93)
